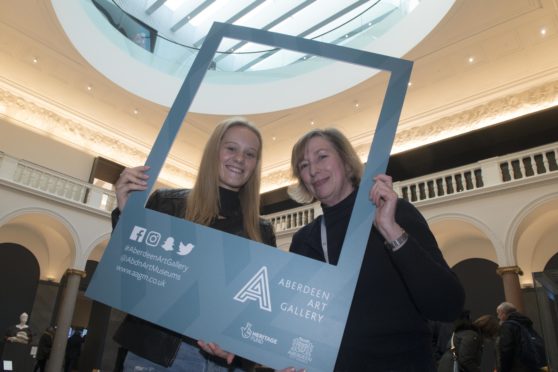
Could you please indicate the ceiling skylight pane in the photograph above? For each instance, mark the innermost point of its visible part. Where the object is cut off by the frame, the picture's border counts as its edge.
(280, 58)
(207, 13)
(272, 10)
(251, 16)
(174, 4)
(185, 23)
(333, 26)
(308, 17)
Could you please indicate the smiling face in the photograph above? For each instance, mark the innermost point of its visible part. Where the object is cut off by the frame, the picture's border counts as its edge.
(323, 172)
(238, 157)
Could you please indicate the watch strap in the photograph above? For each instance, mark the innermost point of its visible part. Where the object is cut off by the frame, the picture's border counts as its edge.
(396, 244)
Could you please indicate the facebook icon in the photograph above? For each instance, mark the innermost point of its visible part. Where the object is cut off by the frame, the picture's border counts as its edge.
(138, 233)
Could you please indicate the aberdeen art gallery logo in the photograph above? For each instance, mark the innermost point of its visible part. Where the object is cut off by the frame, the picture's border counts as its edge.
(256, 289)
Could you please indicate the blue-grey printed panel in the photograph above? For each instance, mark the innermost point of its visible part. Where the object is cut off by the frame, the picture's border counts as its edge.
(270, 306)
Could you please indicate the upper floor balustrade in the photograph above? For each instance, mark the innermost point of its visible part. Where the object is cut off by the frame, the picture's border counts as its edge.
(483, 176)
(51, 184)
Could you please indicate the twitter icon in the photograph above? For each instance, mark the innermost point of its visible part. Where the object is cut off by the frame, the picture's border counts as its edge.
(183, 250)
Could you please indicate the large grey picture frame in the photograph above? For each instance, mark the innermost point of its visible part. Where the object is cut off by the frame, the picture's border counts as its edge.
(272, 307)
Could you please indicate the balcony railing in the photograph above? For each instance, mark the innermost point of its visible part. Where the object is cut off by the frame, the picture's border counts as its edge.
(294, 219)
(482, 176)
(494, 172)
(56, 185)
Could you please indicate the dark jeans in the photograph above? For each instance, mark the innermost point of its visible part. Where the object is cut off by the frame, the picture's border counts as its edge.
(189, 358)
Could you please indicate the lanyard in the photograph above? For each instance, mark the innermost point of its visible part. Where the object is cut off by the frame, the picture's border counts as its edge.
(324, 239)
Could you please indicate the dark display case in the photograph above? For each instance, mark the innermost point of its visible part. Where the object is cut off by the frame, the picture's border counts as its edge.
(546, 288)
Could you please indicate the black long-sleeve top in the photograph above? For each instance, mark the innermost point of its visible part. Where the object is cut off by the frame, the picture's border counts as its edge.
(396, 293)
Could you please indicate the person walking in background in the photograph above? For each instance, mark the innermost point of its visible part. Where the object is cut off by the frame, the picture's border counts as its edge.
(441, 334)
(466, 344)
(404, 280)
(520, 347)
(225, 197)
(43, 349)
(489, 327)
(73, 350)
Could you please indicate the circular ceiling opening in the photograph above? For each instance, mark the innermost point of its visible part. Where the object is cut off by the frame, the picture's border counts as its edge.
(148, 51)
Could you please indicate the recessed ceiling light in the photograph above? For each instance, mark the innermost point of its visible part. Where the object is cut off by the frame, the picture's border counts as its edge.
(35, 60)
(409, 83)
(273, 138)
(356, 104)
(543, 31)
(312, 122)
(89, 88)
(471, 59)
(136, 111)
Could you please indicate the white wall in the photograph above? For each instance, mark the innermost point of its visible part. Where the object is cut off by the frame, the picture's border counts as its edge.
(42, 150)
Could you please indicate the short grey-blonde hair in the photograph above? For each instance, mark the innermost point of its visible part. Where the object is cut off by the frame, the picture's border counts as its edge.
(506, 308)
(341, 144)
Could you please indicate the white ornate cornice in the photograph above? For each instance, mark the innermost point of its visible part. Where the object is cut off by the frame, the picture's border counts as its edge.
(493, 112)
(23, 109)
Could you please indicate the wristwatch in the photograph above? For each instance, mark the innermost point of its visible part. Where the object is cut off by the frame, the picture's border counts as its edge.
(394, 245)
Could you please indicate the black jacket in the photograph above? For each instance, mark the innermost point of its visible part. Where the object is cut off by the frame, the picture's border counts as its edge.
(396, 292)
(154, 342)
(468, 344)
(509, 343)
(45, 345)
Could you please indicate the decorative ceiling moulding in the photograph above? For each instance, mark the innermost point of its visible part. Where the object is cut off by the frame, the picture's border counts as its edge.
(509, 88)
(31, 112)
(277, 179)
(493, 112)
(481, 116)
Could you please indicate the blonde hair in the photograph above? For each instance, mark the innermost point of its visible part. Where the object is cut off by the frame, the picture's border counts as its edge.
(203, 200)
(341, 144)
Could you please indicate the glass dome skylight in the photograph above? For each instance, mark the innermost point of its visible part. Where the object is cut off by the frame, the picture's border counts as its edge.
(175, 27)
(148, 46)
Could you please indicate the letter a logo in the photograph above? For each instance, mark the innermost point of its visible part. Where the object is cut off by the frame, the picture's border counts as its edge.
(257, 289)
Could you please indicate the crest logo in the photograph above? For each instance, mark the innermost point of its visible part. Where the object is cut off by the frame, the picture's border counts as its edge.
(301, 350)
(257, 289)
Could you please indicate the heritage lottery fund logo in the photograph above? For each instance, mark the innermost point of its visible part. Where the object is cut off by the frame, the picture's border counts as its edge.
(310, 307)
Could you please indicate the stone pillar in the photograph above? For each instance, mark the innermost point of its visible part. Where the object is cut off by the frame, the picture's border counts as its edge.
(512, 289)
(64, 319)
